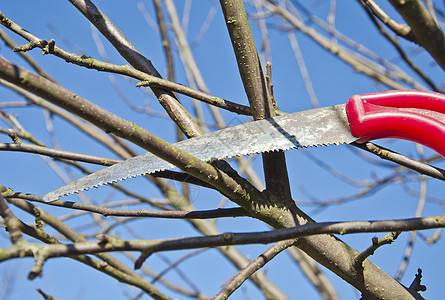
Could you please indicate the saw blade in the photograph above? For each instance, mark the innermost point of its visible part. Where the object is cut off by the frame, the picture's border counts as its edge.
(315, 127)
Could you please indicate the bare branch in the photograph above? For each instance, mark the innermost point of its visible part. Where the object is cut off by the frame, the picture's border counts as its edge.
(359, 63)
(303, 70)
(146, 78)
(28, 58)
(403, 54)
(376, 243)
(60, 154)
(402, 160)
(273, 206)
(165, 39)
(11, 221)
(425, 28)
(140, 213)
(106, 243)
(314, 274)
(409, 247)
(110, 265)
(254, 266)
(114, 124)
(128, 51)
(400, 29)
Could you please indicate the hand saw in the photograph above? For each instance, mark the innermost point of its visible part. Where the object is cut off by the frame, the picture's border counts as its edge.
(418, 116)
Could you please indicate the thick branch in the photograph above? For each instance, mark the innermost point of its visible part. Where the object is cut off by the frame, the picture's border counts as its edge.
(247, 57)
(107, 244)
(249, 67)
(234, 256)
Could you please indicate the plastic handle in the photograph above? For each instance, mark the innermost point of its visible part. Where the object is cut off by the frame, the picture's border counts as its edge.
(418, 116)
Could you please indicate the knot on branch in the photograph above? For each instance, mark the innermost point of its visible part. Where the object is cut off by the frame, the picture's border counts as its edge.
(49, 48)
(228, 237)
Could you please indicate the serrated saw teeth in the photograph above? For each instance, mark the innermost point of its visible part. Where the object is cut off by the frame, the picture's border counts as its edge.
(317, 127)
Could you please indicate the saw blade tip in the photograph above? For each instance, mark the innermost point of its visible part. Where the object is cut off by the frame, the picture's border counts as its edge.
(63, 192)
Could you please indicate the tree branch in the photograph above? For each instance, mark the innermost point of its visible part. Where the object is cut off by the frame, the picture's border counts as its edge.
(358, 62)
(274, 163)
(59, 154)
(425, 28)
(146, 79)
(402, 160)
(28, 58)
(314, 273)
(142, 213)
(129, 52)
(376, 243)
(395, 43)
(254, 266)
(400, 29)
(107, 244)
(11, 221)
(108, 264)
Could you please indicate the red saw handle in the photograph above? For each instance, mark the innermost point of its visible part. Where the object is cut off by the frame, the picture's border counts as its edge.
(418, 116)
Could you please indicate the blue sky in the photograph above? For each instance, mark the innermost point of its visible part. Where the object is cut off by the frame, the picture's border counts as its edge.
(333, 81)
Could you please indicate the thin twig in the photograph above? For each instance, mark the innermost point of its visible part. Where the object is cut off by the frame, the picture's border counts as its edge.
(128, 130)
(409, 247)
(303, 70)
(400, 29)
(165, 39)
(26, 56)
(106, 211)
(174, 266)
(376, 243)
(402, 160)
(107, 265)
(167, 283)
(358, 62)
(60, 154)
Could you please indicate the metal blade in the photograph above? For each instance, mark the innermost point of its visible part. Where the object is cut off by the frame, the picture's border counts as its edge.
(321, 126)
